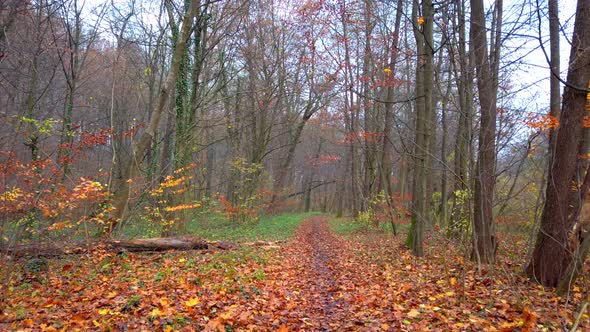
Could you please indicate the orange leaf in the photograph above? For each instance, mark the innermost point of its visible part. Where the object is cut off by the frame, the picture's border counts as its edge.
(215, 324)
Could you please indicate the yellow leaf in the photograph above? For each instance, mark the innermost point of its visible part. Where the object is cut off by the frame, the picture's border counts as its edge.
(451, 293)
(453, 281)
(103, 311)
(192, 302)
(97, 324)
(168, 328)
(413, 313)
(387, 71)
(432, 298)
(385, 326)
(182, 260)
(225, 315)
(112, 295)
(156, 312)
(420, 20)
(164, 302)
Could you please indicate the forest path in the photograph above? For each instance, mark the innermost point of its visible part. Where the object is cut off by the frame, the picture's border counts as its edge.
(327, 284)
(315, 252)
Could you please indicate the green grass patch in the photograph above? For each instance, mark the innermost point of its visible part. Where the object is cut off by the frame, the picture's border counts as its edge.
(347, 226)
(214, 226)
(268, 228)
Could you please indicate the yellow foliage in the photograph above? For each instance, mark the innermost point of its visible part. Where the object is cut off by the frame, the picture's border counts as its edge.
(192, 302)
(182, 207)
(12, 195)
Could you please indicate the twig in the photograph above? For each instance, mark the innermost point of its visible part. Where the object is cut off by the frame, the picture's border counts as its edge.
(577, 322)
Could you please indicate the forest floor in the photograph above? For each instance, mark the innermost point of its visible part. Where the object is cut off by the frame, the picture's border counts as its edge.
(318, 281)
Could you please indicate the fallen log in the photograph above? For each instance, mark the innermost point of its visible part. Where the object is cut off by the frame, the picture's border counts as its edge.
(161, 244)
(50, 249)
(265, 243)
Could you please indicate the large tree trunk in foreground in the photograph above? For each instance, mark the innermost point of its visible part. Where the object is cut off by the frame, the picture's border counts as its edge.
(568, 179)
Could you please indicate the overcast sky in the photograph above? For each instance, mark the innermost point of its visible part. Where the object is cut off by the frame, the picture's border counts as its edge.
(529, 79)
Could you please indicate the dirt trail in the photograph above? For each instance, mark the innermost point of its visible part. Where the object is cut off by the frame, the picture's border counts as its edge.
(320, 278)
(324, 264)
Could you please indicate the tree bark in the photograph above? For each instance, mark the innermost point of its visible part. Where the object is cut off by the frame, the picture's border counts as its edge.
(484, 239)
(424, 109)
(131, 168)
(565, 188)
(387, 147)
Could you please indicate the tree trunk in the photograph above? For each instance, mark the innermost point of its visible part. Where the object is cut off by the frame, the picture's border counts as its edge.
(462, 69)
(444, 197)
(122, 194)
(565, 190)
(484, 239)
(387, 147)
(424, 87)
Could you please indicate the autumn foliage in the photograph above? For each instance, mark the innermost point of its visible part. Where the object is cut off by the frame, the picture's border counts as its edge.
(171, 198)
(35, 200)
(542, 122)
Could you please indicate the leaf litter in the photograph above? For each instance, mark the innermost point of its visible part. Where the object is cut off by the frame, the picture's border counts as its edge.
(319, 281)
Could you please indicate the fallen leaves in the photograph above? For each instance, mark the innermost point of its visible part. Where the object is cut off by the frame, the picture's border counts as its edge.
(319, 281)
(413, 313)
